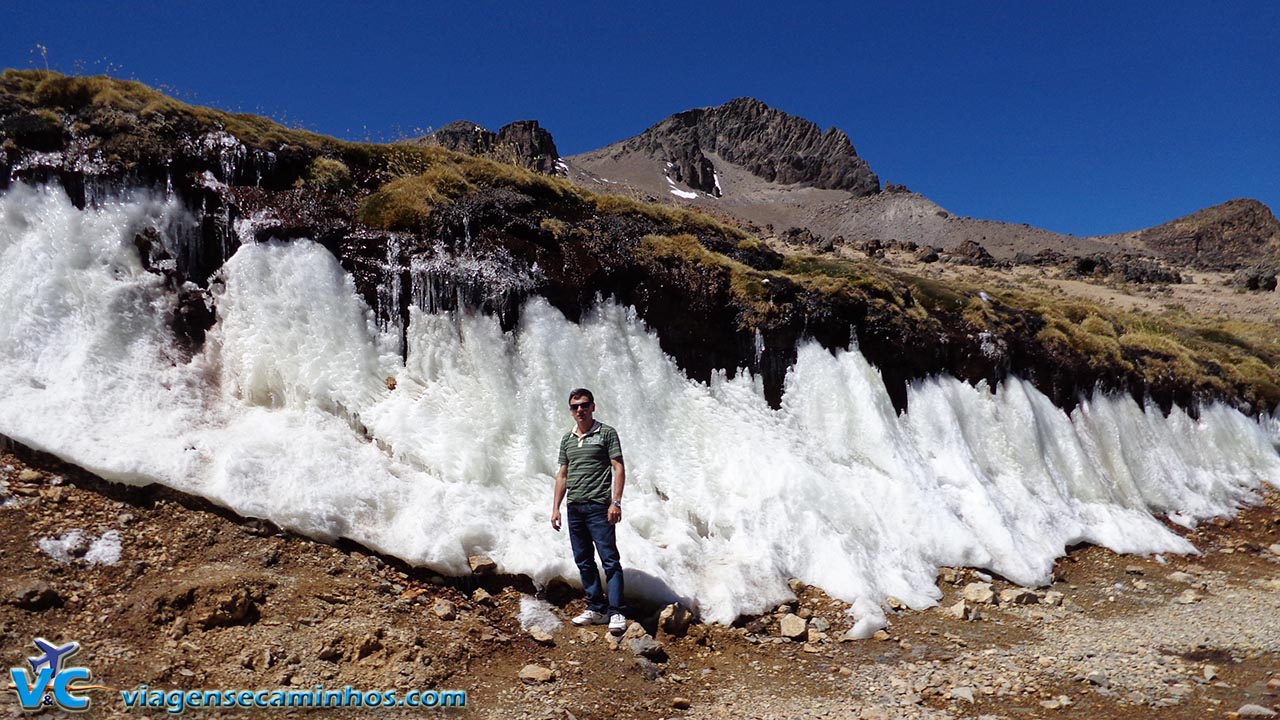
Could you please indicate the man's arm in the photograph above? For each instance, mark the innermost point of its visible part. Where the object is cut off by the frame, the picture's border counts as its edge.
(619, 481)
(561, 476)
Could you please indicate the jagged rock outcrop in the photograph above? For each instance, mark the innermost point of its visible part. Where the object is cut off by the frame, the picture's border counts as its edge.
(765, 141)
(1230, 236)
(532, 144)
(523, 142)
(464, 136)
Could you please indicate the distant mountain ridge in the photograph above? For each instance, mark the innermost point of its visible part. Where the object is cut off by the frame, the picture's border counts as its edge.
(770, 169)
(1229, 235)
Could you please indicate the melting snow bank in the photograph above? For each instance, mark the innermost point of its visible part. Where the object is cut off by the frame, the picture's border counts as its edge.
(286, 415)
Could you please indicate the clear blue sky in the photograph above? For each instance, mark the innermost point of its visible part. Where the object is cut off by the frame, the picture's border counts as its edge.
(1082, 117)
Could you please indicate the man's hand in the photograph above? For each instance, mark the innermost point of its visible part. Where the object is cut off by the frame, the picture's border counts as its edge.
(555, 520)
(615, 514)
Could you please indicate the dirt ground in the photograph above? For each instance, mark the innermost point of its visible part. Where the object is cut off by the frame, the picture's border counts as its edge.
(202, 599)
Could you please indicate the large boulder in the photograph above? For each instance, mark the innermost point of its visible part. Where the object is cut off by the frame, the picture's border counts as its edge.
(1255, 279)
(971, 253)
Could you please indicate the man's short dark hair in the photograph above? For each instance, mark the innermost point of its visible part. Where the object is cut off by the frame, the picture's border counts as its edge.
(582, 393)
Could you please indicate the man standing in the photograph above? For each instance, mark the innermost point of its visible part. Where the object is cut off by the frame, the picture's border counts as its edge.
(592, 473)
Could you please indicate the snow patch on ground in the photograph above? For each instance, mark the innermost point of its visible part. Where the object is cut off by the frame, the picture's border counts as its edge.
(538, 613)
(74, 544)
(676, 190)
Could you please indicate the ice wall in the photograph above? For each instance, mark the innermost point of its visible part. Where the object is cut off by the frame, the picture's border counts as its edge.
(286, 415)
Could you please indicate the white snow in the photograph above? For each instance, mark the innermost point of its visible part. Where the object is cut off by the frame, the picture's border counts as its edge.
(538, 613)
(285, 415)
(103, 550)
(676, 190)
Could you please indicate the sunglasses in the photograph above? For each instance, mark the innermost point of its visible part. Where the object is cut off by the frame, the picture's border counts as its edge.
(579, 406)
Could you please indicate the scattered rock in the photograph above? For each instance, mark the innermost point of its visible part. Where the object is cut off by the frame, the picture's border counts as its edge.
(1210, 673)
(797, 586)
(963, 610)
(1134, 570)
(881, 635)
(531, 674)
(1255, 711)
(1275, 549)
(367, 646)
(793, 627)
(226, 606)
(1099, 678)
(1052, 598)
(820, 624)
(33, 595)
(328, 650)
(674, 620)
(894, 603)
(948, 575)
(757, 626)
(445, 609)
(848, 636)
(1018, 596)
(984, 593)
(481, 597)
(1188, 596)
(649, 648)
(540, 636)
(28, 475)
(962, 693)
(482, 564)
(681, 703)
(1181, 577)
(926, 255)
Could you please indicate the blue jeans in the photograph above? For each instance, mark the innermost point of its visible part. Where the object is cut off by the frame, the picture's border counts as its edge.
(589, 525)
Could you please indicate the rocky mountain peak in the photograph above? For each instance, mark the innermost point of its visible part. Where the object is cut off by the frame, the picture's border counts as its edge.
(523, 142)
(1233, 234)
(765, 141)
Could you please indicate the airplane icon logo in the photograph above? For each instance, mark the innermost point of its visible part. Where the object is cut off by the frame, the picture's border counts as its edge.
(54, 656)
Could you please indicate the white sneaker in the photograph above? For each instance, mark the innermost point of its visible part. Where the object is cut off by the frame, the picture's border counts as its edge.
(591, 617)
(617, 623)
